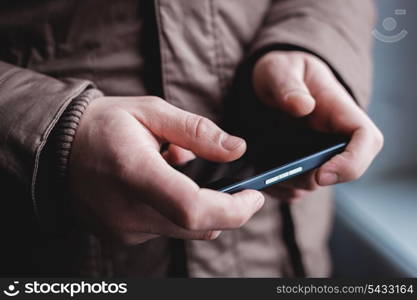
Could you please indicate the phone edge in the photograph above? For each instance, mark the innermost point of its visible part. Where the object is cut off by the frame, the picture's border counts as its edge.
(307, 163)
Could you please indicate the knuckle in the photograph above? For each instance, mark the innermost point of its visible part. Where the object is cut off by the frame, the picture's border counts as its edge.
(273, 61)
(197, 126)
(188, 218)
(313, 60)
(190, 222)
(343, 163)
(270, 60)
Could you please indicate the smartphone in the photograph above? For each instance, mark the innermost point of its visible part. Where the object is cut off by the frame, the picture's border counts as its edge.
(278, 148)
(284, 167)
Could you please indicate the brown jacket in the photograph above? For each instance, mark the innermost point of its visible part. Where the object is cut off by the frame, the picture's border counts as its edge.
(53, 50)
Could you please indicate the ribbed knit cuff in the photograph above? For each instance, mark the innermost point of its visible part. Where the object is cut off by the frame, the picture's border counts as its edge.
(66, 128)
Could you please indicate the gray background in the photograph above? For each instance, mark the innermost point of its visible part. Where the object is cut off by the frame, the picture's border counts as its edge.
(375, 230)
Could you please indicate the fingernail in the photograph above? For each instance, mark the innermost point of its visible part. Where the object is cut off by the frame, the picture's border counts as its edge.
(231, 142)
(212, 235)
(328, 179)
(216, 234)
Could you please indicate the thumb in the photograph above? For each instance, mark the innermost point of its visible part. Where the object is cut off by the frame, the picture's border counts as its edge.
(282, 85)
(193, 132)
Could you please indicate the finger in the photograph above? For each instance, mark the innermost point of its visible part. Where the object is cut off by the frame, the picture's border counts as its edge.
(306, 182)
(284, 87)
(353, 162)
(131, 238)
(345, 117)
(145, 221)
(221, 211)
(178, 232)
(291, 95)
(177, 156)
(162, 226)
(180, 199)
(193, 132)
(138, 237)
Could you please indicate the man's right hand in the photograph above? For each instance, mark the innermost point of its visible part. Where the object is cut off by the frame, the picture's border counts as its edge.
(124, 189)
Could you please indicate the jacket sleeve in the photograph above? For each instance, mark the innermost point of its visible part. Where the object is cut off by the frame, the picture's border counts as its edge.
(338, 31)
(30, 106)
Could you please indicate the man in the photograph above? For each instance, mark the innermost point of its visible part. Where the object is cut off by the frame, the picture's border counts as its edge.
(92, 91)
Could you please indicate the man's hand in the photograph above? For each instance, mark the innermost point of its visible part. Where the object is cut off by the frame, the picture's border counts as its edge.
(304, 86)
(124, 188)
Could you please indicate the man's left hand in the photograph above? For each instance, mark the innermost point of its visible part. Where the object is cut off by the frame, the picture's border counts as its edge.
(302, 85)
